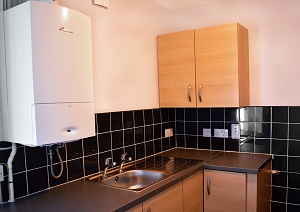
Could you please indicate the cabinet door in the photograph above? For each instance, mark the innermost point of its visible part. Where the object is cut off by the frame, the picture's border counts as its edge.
(168, 200)
(222, 66)
(62, 54)
(193, 193)
(224, 191)
(176, 64)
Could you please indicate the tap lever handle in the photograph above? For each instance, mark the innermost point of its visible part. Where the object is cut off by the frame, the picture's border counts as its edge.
(123, 156)
(108, 162)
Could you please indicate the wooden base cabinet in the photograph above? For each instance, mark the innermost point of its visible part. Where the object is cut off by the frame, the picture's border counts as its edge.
(193, 193)
(168, 200)
(207, 67)
(185, 196)
(237, 192)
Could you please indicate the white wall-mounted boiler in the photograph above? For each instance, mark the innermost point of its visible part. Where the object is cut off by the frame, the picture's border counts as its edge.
(49, 82)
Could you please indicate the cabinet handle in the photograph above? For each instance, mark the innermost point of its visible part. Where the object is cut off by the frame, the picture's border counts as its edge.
(149, 210)
(208, 185)
(65, 30)
(199, 93)
(189, 93)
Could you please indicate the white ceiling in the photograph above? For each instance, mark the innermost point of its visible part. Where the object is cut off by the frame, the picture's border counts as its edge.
(177, 5)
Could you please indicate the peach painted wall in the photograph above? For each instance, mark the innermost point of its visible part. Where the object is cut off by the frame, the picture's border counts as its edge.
(274, 39)
(124, 52)
(2, 65)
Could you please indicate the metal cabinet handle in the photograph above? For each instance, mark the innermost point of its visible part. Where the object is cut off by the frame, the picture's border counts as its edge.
(189, 93)
(199, 93)
(149, 210)
(65, 30)
(208, 185)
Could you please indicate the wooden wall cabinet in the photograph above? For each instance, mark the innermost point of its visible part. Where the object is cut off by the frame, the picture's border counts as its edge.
(237, 192)
(207, 67)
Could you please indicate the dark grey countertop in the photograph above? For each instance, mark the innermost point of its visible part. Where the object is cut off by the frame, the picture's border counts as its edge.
(224, 161)
(239, 162)
(84, 196)
(204, 155)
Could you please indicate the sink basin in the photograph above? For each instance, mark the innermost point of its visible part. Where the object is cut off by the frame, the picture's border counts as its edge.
(135, 180)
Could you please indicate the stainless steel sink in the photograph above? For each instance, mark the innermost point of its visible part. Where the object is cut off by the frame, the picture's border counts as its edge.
(134, 180)
(144, 173)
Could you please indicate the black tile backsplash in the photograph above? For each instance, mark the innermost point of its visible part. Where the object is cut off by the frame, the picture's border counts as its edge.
(128, 119)
(138, 118)
(138, 133)
(270, 130)
(280, 179)
(293, 196)
(191, 114)
(278, 207)
(75, 169)
(116, 121)
(204, 114)
(294, 115)
(273, 130)
(148, 117)
(104, 142)
(294, 131)
(56, 170)
(90, 145)
(91, 164)
(232, 114)
(217, 114)
(280, 114)
(74, 150)
(279, 194)
(279, 130)
(37, 180)
(279, 147)
(103, 122)
(35, 157)
(117, 139)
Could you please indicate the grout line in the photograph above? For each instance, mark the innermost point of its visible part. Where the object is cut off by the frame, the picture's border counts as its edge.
(271, 130)
(25, 161)
(287, 159)
(83, 165)
(224, 128)
(67, 164)
(184, 123)
(48, 175)
(210, 141)
(197, 128)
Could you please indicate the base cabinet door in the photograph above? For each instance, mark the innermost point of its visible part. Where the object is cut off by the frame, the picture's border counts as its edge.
(224, 191)
(193, 193)
(168, 200)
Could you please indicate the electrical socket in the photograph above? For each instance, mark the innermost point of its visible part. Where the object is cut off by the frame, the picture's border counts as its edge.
(206, 132)
(235, 131)
(221, 133)
(1, 173)
(168, 132)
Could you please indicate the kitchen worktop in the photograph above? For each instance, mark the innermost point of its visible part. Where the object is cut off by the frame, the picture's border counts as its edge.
(224, 161)
(84, 196)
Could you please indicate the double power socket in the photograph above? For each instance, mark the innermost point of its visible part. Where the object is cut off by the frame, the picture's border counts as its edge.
(223, 133)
